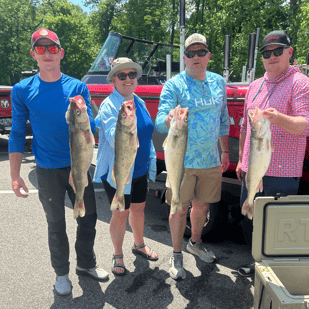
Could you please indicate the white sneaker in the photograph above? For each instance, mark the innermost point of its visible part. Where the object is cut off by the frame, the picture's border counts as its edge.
(199, 250)
(177, 271)
(95, 273)
(63, 285)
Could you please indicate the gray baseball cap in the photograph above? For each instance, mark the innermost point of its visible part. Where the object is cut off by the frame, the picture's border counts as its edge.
(195, 38)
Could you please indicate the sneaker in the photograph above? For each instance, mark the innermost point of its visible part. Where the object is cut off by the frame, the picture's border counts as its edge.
(63, 285)
(177, 271)
(199, 250)
(95, 273)
(246, 270)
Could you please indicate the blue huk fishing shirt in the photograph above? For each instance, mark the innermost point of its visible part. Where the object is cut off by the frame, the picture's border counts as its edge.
(208, 115)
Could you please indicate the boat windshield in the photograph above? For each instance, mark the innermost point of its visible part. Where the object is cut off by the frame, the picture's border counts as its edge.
(107, 54)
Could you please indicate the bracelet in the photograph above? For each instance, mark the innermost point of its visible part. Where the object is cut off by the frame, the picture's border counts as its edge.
(225, 151)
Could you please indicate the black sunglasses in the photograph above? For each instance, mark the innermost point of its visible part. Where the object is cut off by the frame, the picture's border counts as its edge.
(41, 49)
(277, 52)
(123, 76)
(201, 53)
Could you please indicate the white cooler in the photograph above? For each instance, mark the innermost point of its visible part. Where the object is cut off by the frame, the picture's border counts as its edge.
(280, 247)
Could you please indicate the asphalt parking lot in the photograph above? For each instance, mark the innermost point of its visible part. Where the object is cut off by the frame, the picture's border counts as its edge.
(27, 277)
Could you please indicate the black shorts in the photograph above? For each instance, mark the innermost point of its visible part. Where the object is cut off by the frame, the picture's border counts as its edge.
(138, 191)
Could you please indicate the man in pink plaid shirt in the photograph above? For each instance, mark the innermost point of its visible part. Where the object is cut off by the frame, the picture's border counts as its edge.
(283, 94)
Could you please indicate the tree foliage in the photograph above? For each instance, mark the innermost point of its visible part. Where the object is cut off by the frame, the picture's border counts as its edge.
(82, 34)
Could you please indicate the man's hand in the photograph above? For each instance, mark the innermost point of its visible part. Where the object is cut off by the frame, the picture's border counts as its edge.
(225, 161)
(169, 117)
(239, 171)
(18, 183)
(273, 115)
(293, 124)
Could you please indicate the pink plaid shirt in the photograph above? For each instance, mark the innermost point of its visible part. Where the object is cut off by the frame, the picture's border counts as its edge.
(288, 94)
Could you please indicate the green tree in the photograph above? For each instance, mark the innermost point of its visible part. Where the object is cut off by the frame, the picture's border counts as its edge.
(75, 33)
(18, 20)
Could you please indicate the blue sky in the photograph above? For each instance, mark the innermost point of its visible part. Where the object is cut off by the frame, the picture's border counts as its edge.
(80, 3)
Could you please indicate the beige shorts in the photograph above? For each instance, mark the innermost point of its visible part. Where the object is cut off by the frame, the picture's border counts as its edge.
(203, 185)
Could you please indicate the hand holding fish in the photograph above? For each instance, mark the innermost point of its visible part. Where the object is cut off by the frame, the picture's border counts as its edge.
(273, 115)
(169, 117)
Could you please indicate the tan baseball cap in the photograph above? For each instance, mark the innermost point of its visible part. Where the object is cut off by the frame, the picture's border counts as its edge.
(121, 64)
(195, 38)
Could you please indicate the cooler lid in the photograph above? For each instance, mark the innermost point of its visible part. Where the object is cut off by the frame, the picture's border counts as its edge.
(280, 227)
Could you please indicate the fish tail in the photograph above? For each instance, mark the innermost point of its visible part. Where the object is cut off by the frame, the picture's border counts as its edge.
(118, 203)
(247, 209)
(71, 182)
(79, 209)
(176, 205)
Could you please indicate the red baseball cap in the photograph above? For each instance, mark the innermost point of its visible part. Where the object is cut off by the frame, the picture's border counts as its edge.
(44, 34)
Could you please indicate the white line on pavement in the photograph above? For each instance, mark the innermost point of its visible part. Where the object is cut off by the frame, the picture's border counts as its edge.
(36, 191)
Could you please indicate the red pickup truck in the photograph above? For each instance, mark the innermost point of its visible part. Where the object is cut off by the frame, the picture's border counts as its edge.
(151, 57)
(5, 110)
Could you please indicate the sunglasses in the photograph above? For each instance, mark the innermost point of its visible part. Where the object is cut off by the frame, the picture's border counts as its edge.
(41, 49)
(201, 53)
(277, 52)
(123, 76)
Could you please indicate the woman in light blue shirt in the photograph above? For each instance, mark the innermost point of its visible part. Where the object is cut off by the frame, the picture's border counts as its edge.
(124, 74)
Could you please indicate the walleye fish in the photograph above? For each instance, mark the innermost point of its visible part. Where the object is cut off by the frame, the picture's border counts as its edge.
(126, 144)
(259, 158)
(175, 146)
(81, 150)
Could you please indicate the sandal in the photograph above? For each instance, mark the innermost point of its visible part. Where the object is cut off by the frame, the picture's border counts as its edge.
(115, 257)
(148, 257)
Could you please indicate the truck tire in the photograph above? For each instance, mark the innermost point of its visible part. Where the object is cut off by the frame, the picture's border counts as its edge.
(216, 222)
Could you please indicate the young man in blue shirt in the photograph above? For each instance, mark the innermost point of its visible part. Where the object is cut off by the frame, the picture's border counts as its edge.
(44, 100)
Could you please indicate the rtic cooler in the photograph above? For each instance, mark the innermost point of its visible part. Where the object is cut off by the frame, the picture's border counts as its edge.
(280, 247)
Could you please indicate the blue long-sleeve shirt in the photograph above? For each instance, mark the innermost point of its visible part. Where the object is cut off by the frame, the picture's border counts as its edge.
(45, 105)
(208, 115)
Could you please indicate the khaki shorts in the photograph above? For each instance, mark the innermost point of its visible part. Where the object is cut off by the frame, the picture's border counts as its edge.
(203, 185)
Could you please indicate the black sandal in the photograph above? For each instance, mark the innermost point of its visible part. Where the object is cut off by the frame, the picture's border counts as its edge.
(148, 257)
(115, 257)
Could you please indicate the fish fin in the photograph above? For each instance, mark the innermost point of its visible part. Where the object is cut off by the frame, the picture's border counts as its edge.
(121, 204)
(247, 210)
(246, 180)
(114, 204)
(176, 205)
(167, 182)
(137, 142)
(118, 203)
(71, 182)
(166, 143)
(244, 208)
(250, 212)
(260, 186)
(86, 181)
(183, 178)
(79, 209)
(272, 146)
(113, 176)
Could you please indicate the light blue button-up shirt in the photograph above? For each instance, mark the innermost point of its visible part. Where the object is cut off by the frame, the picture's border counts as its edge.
(106, 122)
